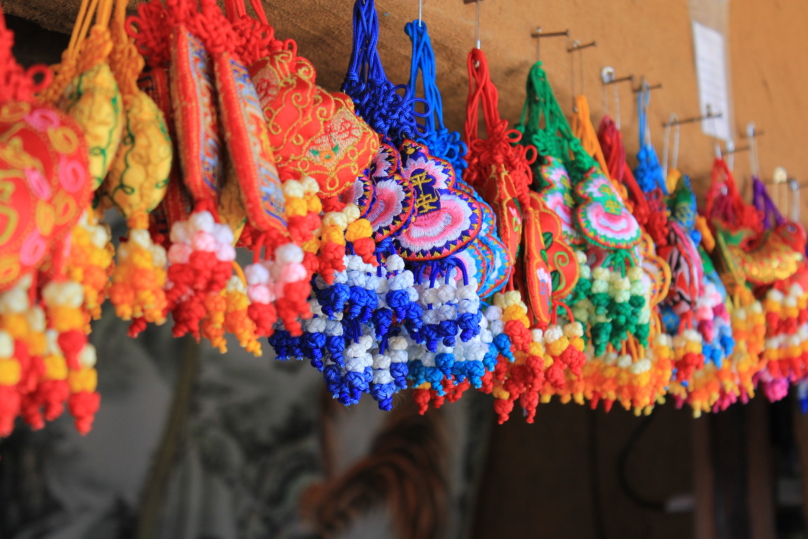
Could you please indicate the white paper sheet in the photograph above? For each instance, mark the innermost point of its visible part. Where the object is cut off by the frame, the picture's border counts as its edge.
(711, 68)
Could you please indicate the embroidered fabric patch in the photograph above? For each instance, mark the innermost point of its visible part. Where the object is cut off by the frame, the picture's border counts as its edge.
(247, 138)
(195, 118)
(362, 193)
(557, 196)
(445, 219)
(342, 152)
(92, 99)
(46, 185)
(394, 201)
(498, 268)
(564, 268)
(601, 215)
(286, 89)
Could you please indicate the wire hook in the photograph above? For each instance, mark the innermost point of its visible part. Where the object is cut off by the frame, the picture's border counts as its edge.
(607, 77)
(674, 162)
(538, 35)
(577, 46)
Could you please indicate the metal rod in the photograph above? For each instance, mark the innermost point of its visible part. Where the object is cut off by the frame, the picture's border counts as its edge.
(709, 116)
(479, 43)
(654, 87)
(539, 34)
(792, 184)
(621, 79)
(739, 149)
(577, 46)
(420, 12)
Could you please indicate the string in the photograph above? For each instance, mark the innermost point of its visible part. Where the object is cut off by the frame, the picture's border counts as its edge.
(724, 201)
(611, 142)
(583, 129)
(441, 142)
(555, 138)
(86, 7)
(648, 172)
(765, 205)
(499, 145)
(376, 99)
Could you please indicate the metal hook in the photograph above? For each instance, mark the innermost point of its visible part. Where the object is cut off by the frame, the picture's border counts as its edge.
(420, 12)
(729, 151)
(795, 188)
(672, 119)
(538, 35)
(479, 42)
(607, 77)
(779, 177)
(754, 159)
(578, 47)
(477, 2)
(708, 116)
(648, 87)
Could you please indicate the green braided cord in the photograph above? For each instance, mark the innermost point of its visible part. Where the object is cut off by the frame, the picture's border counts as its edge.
(556, 138)
(620, 313)
(600, 337)
(642, 333)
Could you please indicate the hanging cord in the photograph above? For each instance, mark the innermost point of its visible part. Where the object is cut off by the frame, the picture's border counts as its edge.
(441, 142)
(583, 129)
(256, 36)
(771, 216)
(16, 83)
(500, 145)
(377, 100)
(555, 138)
(648, 172)
(674, 152)
(724, 201)
(611, 142)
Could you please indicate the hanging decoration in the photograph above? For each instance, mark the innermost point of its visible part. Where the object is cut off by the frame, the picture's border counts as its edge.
(386, 250)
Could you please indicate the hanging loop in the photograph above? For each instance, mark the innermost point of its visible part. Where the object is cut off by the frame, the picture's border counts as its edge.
(667, 149)
(538, 34)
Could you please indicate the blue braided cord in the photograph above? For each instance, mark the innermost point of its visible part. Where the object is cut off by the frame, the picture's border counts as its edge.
(376, 98)
(286, 347)
(408, 313)
(490, 359)
(333, 380)
(434, 376)
(399, 372)
(726, 339)
(335, 345)
(315, 347)
(416, 372)
(712, 353)
(383, 394)
(382, 320)
(469, 324)
(442, 143)
(361, 304)
(351, 330)
(648, 172)
(430, 335)
(669, 319)
(333, 298)
(503, 344)
(448, 329)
